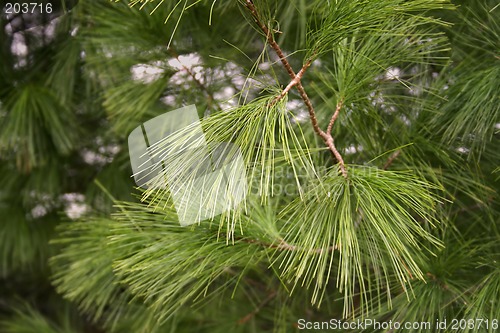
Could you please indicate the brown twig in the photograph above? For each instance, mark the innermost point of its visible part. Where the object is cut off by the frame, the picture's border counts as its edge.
(434, 278)
(296, 81)
(251, 7)
(329, 137)
(335, 116)
(249, 316)
(329, 142)
(285, 246)
(391, 159)
(211, 99)
(293, 82)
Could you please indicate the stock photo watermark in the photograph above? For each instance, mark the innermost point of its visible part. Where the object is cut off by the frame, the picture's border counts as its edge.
(170, 152)
(437, 325)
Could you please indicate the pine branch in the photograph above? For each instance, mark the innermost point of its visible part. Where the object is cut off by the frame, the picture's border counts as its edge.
(296, 81)
(334, 117)
(391, 159)
(329, 138)
(210, 96)
(249, 316)
(432, 277)
(293, 82)
(285, 246)
(251, 7)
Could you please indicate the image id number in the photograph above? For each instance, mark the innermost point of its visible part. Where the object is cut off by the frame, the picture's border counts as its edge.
(28, 7)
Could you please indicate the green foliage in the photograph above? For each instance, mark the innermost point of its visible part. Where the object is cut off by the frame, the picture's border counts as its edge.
(485, 302)
(23, 241)
(366, 223)
(344, 18)
(36, 123)
(77, 265)
(472, 108)
(29, 320)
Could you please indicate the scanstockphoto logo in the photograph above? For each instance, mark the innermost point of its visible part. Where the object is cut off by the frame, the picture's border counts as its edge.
(170, 152)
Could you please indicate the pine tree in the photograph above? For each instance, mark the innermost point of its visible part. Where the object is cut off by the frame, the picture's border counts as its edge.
(368, 133)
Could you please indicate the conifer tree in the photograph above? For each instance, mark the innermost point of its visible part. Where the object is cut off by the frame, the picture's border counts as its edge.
(369, 132)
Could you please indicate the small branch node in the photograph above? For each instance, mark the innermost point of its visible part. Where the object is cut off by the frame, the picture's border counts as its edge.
(391, 159)
(335, 116)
